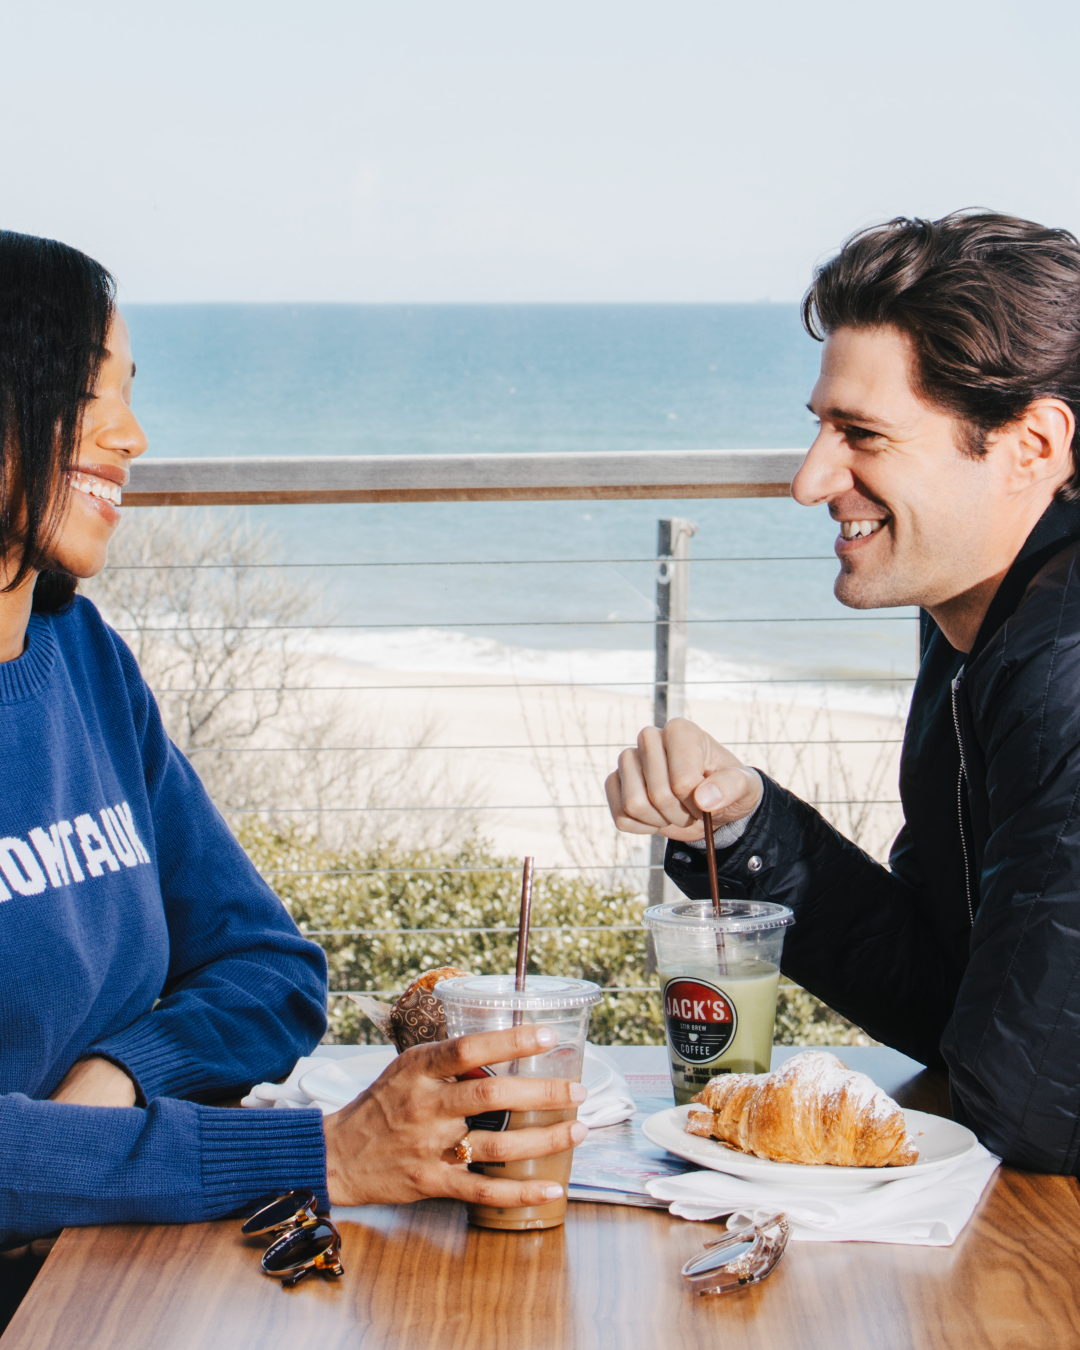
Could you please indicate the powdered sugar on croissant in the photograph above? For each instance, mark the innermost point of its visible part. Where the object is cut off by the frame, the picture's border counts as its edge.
(813, 1109)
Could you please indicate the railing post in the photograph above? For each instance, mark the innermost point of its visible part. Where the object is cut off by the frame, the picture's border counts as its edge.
(672, 608)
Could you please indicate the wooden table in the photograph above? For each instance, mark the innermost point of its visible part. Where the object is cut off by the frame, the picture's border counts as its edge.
(417, 1276)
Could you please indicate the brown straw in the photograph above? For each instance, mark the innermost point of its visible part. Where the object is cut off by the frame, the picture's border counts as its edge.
(523, 933)
(710, 862)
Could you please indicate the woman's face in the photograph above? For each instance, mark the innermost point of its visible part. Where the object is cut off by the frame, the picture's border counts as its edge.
(110, 439)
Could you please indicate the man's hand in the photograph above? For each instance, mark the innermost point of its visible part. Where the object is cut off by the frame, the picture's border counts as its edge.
(663, 786)
(395, 1142)
(95, 1082)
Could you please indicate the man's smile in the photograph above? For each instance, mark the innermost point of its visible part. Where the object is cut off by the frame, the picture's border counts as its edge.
(856, 534)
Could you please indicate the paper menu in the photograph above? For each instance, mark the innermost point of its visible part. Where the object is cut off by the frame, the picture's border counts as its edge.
(614, 1163)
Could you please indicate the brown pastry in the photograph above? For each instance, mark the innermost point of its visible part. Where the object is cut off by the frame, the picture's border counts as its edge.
(418, 1017)
(813, 1109)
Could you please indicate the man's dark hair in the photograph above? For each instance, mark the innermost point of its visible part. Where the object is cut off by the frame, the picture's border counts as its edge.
(991, 304)
(56, 305)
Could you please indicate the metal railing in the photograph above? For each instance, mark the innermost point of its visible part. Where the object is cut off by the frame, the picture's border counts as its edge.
(514, 477)
(669, 474)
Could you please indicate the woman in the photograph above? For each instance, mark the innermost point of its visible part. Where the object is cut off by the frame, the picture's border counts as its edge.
(145, 967)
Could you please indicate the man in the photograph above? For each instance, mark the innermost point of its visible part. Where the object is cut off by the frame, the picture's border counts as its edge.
(948, 399)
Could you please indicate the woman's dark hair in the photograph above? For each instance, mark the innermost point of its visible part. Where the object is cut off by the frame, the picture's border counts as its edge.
(56, 305)
(991, 304)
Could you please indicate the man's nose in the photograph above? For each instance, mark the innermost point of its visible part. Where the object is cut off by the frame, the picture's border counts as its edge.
(824, 473)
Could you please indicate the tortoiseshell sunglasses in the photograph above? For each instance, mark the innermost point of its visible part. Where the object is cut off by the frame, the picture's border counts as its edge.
(304, 1241)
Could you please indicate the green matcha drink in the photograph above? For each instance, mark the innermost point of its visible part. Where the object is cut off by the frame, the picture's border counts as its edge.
(718, 976)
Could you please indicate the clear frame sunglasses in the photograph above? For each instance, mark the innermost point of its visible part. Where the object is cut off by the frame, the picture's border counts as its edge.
(743, 1256)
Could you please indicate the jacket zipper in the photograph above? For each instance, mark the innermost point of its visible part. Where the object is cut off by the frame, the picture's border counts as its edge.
(960, 796)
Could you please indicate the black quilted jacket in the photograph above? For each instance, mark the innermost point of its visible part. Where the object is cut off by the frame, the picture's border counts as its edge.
(965, 952)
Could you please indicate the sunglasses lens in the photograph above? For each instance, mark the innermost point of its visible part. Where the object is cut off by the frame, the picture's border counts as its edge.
(720, 1255)
(276, 1211)
(299, 1249)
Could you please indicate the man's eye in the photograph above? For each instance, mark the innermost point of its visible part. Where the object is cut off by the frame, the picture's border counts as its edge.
(861, 434)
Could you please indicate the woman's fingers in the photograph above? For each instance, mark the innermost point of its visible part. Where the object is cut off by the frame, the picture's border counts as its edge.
(457, 1057)
(476, 1189)
(515, 1145)
(396, 1141)
(509, 1092)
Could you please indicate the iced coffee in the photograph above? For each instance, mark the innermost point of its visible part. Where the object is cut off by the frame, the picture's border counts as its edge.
(478, 1003)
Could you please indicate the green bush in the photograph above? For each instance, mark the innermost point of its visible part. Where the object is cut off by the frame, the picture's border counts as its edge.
(394, 889)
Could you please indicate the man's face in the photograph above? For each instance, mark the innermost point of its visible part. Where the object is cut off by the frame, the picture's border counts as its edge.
(921, 522)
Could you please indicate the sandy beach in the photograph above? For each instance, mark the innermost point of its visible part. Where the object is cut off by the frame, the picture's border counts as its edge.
(525, 765)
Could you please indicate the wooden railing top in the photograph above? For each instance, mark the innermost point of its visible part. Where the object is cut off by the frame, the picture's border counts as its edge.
(448, 478)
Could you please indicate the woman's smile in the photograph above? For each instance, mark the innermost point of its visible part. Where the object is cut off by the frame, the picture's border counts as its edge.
(102, 484)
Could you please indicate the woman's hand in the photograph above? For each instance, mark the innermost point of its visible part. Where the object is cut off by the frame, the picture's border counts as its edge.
(95, 1082)
(663, 786)
(395, 1142)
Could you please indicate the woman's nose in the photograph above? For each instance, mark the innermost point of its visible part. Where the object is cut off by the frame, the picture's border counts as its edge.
(824, 473)
(123, 432)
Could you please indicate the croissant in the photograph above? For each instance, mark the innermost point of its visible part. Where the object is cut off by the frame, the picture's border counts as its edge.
(813, 1109)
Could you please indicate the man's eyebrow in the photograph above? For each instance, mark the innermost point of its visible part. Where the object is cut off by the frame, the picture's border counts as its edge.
(854, 417)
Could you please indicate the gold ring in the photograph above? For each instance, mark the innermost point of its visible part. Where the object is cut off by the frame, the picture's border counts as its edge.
(463, 1151)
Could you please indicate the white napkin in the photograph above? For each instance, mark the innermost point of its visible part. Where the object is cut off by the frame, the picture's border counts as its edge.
(289, 1094)
(330, 1084)
(927, 1210)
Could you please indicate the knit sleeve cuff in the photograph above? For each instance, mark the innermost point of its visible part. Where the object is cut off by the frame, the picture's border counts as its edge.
(159, 1066)
(248, 1154)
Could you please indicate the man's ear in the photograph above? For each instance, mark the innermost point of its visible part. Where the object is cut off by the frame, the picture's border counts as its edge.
(1040, 443)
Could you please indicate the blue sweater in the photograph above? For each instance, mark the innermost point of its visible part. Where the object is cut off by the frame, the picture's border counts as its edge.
(121, 885)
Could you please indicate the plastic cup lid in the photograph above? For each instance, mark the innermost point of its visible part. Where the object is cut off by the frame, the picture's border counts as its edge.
(736, 916)
(542, 992)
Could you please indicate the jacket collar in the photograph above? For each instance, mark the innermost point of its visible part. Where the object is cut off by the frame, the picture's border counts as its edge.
(1058, 524)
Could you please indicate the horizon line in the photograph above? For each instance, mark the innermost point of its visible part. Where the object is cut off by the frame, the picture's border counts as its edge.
(486, 304)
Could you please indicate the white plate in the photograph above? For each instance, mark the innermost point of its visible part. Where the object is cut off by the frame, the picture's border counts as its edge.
(338, 1081)
(941, 1142)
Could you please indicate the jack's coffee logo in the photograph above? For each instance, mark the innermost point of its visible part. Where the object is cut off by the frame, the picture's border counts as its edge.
(701, 1020)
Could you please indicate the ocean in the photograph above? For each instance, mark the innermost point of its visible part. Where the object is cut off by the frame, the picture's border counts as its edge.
(435, 590)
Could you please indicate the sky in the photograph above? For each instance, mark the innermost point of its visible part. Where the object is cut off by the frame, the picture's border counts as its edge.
(504, 150)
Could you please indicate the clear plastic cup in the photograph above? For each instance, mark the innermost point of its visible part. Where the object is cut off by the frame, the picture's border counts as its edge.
(719, 976)
(478, 1003)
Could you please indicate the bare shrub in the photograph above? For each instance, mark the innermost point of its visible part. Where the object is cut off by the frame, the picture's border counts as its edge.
(574, 779)
(220, 634)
